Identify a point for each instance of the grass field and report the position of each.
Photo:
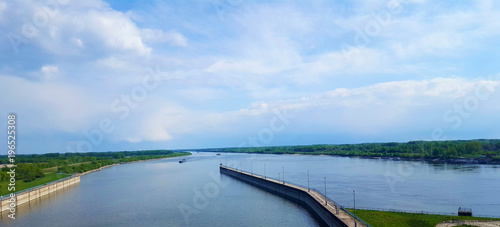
(21, 185)
(395, 219)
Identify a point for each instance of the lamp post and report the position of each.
(326, 201)
(283, 174)
(354, 195)
(308, 181)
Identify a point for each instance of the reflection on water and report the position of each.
(456, 167)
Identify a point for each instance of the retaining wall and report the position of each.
(37, 192)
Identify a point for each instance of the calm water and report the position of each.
(166, 193)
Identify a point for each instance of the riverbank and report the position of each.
(121, 163)
(468, 161)
(481, 151)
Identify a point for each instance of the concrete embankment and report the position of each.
(328, 214)
(37, 192)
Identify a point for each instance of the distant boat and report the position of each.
(182, 161)
(218, 154)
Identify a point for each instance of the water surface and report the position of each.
(166, 193)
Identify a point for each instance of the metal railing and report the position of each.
(416, 211)
(402, 211)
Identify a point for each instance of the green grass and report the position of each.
(396, 219)
(21, 185)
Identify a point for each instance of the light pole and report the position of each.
(354, 195)
(283, 174)
(308, 181)
(326, 201)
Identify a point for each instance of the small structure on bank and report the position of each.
(462, 211)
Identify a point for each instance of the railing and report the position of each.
(402, 211)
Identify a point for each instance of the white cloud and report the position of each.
(173, 38)
(77, 42)
(371, 110)
(116, 30)
(77, 27)
(50, 72)
(3, 6)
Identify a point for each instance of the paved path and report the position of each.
(471, 222)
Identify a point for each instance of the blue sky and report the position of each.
(125, 75)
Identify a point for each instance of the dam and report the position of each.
(325, 210)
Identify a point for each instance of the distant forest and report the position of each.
(30, 167)
(483, 148)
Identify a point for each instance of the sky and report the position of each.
(117, 75)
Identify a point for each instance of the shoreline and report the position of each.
(458, 161)
(123, 163)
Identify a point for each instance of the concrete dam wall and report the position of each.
(328, 215)
(37, 192)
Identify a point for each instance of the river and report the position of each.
(168, 193)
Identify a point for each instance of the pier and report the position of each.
(325, 210)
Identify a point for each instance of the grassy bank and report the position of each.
(396, 219)
(21, 185)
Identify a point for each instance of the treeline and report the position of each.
(70, 158)
(30, 167)
(98, 164)
(25, 172)
(413, 149)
